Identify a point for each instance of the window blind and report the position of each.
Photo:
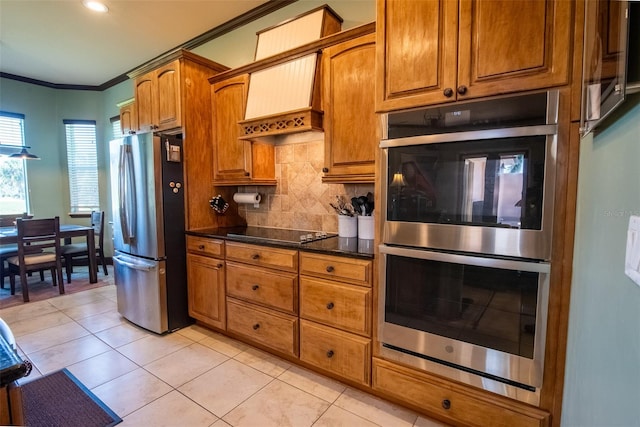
(116, 130)
(11, 131)
(13, 175)
(82, 158)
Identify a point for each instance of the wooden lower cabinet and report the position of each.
(451, 403)
(264, 326)
(262, 256)
(341, 353)
(277, 290)
(205, 281)
(349, 270)
(336, 304)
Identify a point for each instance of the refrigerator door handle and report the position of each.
(127, 193)
(137, 265)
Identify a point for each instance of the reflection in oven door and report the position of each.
(483, 315)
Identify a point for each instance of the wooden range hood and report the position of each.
(284, 95)
(284, 99)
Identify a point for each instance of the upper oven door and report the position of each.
(485, 191)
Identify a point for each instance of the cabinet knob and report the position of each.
(330, 306)
(201, 247)
(220, 265)
(330, 354)
(448, 92)
(462, 89)
(255, 287)
(255, 256)
(247, 174)
(325, 170)
(446, 404)
(330, 268)
(256, 326)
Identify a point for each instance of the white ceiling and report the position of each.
(62, 42)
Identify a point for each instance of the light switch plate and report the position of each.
(632, 259)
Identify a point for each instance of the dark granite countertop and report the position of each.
(334, 245)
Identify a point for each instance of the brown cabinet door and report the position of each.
(508, 46)
(349, 114)
(145, 94)
(168, 96)
(417, 44)
(431, 52)
(205, 280)
(128, 121)
(232, 157)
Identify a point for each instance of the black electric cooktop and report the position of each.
(280, 235)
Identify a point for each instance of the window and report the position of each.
(82, 158)
(116, 129)
(14, 196)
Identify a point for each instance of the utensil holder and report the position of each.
(365, 227)
(347, 226)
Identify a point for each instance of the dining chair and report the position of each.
(8, 251)
(77, 253)
(38, 249)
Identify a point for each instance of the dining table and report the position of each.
(9, 235)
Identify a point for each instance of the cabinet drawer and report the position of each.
(339, 352)
(346, 307)
(205, 246)
(264, 326)
(350, 270)
(281, 259)
(262, 286)
(452, 402)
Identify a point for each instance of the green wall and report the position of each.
(602, 378)
(44, 111)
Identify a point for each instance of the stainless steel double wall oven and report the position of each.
(468, 194)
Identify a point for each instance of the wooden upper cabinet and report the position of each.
(237, 161)
(145, 93)
(416, 52)
(232, 157)
(348, 76)
(158, 99)
(431, 52)
(169, 96)
(128, 121)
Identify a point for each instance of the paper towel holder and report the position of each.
(248, 198)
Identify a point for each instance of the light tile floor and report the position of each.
(193, 377)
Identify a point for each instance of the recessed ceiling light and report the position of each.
(95, 6)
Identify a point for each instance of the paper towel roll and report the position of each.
(247, 198)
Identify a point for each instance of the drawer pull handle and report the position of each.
(330, 268)
(256, 326)
(330, 354)
(255, 287)
(201, 247)
(255, 256)
(446, 404)
(330, 306)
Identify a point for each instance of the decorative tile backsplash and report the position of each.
(300, 201)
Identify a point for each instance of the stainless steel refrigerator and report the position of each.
(147, 198)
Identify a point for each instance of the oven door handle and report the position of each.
(472, 135)
(506, 264)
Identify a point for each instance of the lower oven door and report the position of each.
(477, 315)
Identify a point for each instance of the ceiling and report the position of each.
(60, 42)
